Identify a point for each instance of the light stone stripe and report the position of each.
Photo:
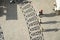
(26, 7)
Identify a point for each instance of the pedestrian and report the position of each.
(40, 12)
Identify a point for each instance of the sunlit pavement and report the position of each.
(16, 29)
(49, 19)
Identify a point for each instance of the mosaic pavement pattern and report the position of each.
(1, 34)
(32, 22)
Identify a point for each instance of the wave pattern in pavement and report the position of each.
(32, 22)
(1, 34)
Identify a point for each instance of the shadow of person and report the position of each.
(50, 15)
(50, 22)
(50, 30)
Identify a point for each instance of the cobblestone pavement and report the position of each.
(1, 34)
(14, 25)
(50, 21)
(32, 22)
(51, 25)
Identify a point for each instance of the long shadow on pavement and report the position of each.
(49, 15)
(50, 22)
(49, 30)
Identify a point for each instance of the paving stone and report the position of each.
(32, 22)
(36, 33)
(32, 19)
(1, 34)
(27, 6)
(31, 14)
(35, 28)
(37, 38)
(28, 10)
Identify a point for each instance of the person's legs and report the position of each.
(40, 21)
